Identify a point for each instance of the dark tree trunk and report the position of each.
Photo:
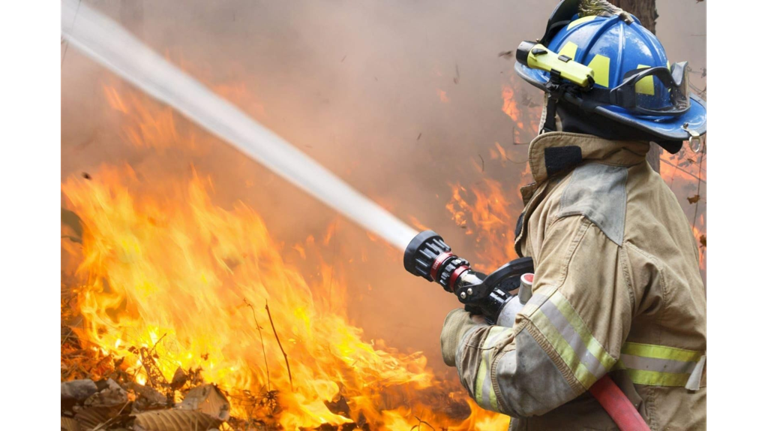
(645, 11)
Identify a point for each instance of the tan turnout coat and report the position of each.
(617, 291)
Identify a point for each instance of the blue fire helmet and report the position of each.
(634, 84)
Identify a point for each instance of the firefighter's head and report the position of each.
(633, 93)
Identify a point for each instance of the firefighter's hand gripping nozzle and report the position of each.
(428, 256)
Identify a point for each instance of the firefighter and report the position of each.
(617, 288)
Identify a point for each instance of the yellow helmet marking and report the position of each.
(569, 50)
(581, 20)
(602, 67)
(645, 85)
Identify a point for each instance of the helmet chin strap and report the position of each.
(548, 122)
(556, 88)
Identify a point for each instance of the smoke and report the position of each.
(397, 98)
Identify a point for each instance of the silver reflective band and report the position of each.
(574, 340)
(658, 365)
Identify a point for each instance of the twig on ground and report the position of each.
(285, 355)
(71, 331)
(261, 337)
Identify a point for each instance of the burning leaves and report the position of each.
(123, 406)
(159, 294)
(208, 399)
(174, 420)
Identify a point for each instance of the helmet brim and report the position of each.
(666, 128)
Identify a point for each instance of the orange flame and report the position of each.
(686, 173)
(510, 105)
(489, 217)
(180, 268)
(162, 266)
(148, 125)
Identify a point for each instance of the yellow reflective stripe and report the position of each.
(601, 65)
(581, 21)
(569, 50)
(491, 338)
(572, 340)
(591, 342)
(565, 351)
(655, 378)
(494, 402)
(645, 85)
(650, 356)
(660, 352)
(483, 377)
(496, 334)
(482, 374)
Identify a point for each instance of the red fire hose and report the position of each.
(618, 406)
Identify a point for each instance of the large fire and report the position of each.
(167, 282)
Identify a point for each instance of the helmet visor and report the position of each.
(654, 91)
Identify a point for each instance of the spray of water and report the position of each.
(108, 43)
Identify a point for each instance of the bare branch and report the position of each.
(285, 355)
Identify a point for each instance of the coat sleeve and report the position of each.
(565, 338)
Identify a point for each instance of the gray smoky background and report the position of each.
(399, 98)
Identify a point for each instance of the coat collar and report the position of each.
(553, 152)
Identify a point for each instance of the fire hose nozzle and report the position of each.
(429, 257)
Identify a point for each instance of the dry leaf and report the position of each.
(694, 199)
(111, 395)
(103, 405)
(119, 422)
(147, 398)
(75, 392)
(91, 417)
(69, 424)
(207, 399)
(78, 389)
(179, 379)
(175, 420)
